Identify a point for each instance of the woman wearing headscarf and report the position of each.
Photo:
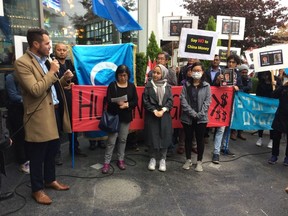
(195, 100)
(158, 102)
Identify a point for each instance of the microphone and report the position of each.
(52, 56)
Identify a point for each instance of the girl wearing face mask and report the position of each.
(195, 100)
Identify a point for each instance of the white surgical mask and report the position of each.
(196, 75)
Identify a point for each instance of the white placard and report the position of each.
(21, 45)
(198, 44)
(270, 58)
(233, 25)
(1, 8)
(249, 57)
(222, 52)
(172, 26)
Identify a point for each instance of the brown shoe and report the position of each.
(57, 186)
(233, 136)
(41, 197)
(240, 136)
(286, 189)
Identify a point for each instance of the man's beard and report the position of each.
(60, 58)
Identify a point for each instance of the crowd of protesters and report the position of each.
(46, 100)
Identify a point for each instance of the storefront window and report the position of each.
(18, 17)
(57, 22)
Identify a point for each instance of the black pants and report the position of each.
(276, 135)
(42, 162)
(260, 133)
(15, 119)
(199, 130)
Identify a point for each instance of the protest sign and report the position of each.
(233, 26)
(252, 112)
(88, 103)
(198, 44)
(222, 52)
(270, 58)
(173, 25)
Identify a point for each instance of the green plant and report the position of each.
(152, 49)
(141, 65)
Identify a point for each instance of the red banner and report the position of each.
(88, 103)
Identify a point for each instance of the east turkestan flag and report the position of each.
(112, 10)
(96, 64)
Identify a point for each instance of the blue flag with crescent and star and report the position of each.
(96, 64)
(112, 10)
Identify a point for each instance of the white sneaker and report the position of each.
(270, 144)
(25, 167)
(187, 164)
(152, 164)
(259, 142)
(199, 167)
(162, 165)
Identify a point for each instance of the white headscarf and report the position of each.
(160, 84)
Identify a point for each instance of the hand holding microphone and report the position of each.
(54, 65)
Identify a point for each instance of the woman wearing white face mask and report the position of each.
(195, 100)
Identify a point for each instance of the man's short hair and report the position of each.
(35, 34)
(167, 56)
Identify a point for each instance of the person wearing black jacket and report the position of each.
(61, 53)
(280, 123)
(5, 143)
(265, 89)
(120, 87)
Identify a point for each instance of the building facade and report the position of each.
(67, 21)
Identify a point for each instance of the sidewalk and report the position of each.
(243, 185)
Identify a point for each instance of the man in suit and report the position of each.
(40, 110)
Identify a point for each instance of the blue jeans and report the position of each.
(218, 139)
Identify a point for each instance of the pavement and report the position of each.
(242, 185)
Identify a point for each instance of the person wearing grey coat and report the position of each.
(195, 100)
(158, 102)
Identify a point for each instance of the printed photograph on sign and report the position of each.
(230, 26)
(233, 26)
(228, 77)
(177, 25)
(198, 44)
(271, 58)
(173, 25)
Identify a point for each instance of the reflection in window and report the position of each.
(100, 32)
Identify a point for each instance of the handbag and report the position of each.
(109, 123)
